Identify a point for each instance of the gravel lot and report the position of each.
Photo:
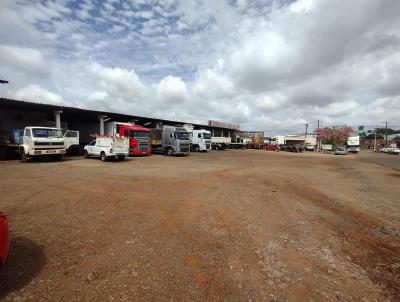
(229, 225)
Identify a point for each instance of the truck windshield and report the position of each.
(141, 134)
(133, 134)
(207, 135)
(43, 132)
(182, 135)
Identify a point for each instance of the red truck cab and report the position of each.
(4, 240)
(139, 140)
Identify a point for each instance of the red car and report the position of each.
(4, 245)
(274, 148)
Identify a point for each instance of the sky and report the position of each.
(266, 65)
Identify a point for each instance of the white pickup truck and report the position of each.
(108, 147)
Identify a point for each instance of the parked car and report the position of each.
(273, 148)
(310, 147)
(108, 147)
(395, 151)
(295, 148)
(4, 240)
(384, 150)
(284, 147)
(341, 151)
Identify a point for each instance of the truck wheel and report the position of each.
(121, 157)
(24, 157)
(103, 156)
(196, 148)
(170, 152)
(86, 154)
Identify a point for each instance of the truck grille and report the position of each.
(49, 143)
(143, 146)
(208, 146)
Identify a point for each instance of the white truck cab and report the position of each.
(353, 144)
(201, 140)
(42, 141)
(71, 139)
(108, 147)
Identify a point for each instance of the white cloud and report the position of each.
(98, 96)
(38, 94)
(265, 64)
(172, 90)
(118, 81)
(23, 59)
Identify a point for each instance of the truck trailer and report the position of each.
(220, 143)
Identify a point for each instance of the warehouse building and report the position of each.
(15, 114)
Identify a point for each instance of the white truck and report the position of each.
(200, 140)
(42, 141)
(353, 144)
(108, 147)
(71, 141)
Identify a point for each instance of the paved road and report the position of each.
(387, 160)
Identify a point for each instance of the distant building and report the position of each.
(301, 139)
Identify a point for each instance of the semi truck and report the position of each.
(170, 140)
(42, 141)
(200, 140)
(353, 144)
(139, 140)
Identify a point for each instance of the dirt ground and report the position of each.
(236, 225)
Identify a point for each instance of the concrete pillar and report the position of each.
(57, 116)
(101, 120)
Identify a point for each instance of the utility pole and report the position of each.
(386, 129)
(305, 136)
(318, 136)
(375, 141)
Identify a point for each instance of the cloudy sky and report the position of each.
(268, 65)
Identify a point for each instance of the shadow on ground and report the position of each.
(25, 261)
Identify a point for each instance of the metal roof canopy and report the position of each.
(78, 115)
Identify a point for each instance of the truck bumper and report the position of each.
(37, 152)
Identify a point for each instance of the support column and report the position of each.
(101, 120)
(57, 116)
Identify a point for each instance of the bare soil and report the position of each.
(223, 226)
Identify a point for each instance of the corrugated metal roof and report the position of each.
(12, 103)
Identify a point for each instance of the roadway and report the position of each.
(383, 159)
